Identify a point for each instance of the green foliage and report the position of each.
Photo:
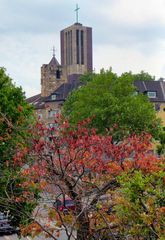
(161, 146)
(140, 205)
(15, 119)
(143, 76)
(15, 116)
(87, 77)
(112, 103)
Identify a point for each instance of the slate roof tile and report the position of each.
(152, 86)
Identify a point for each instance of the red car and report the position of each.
(64, 204)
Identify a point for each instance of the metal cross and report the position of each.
(53, 51)
(76, 10)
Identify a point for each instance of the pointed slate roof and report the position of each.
(54, 62)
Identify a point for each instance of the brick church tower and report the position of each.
(76, 50)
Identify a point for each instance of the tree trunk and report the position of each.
(83, 231)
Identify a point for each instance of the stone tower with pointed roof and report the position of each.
(52, 77)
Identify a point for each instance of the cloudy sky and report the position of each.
(127, 35)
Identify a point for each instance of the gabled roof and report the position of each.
(37, 101)
(152, 86)
(34, 98)
(62, 92)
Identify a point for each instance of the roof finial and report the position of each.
(53, 51)
(76, 10)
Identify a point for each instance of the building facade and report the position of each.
(155, 90)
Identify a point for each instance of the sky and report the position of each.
(128, 35)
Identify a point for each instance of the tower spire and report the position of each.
(76, 10)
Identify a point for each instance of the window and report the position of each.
(77, 46)
(52, 125)
(58, 74)
(151, 94)
(66, 47)
(82, 47)
(52, 113)
(53, 97)
(39, 115)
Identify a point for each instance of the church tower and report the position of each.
(76, 59)
(76, 49)
(51, 76)
(59, 80)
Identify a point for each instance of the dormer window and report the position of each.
(151, 94)
(53, 97)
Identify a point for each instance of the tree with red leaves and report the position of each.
(90, 170)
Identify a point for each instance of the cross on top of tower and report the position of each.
(53, 51)
(76, 10)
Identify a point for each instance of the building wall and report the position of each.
(161, 113)
(48, 114)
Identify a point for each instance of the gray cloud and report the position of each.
(125, 36)
(33, 16)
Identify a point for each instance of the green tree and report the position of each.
(144, 76)
(15, 119)
(15, 116)
(140, 204)
(113, 104)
